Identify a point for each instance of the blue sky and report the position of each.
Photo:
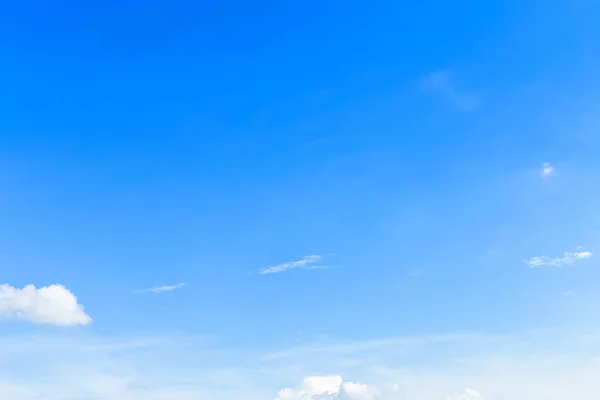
(256, 194)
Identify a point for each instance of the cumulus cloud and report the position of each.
(568, 259)
(52, 304)
(160, 289)
(441, 82)
(308, 262)
(322, 386)
(547, 170)
(467, 394)
(333, 387)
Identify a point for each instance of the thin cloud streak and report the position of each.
(372, 345)
(306, 263)
(160, 289)
(441, 82)
(568, 259)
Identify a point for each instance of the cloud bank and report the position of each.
(52, 304)
(84, 366)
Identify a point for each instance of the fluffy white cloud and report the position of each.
(313, 387)
(567, 259)
(333, 387)
(52, 304)
(307, 262)
(468, 394)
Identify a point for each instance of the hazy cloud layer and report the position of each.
(81, 366)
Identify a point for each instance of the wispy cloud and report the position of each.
(441, 82)
(415, 273)
(568, 259)
(308, 262)
(547, 170)
(160, 289)
(386, 345)
(54, 305)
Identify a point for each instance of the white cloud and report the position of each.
(441, 82)
(329, 384)
(52, 304)
(159, 289)
(313, 386)
(467, 394)
(333, 387)
(307, 263)
(568, 259)
(547, 170)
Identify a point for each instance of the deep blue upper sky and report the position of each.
(152, 143)
(244, 194)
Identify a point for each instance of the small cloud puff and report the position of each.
(52, 304)
(547, 170)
